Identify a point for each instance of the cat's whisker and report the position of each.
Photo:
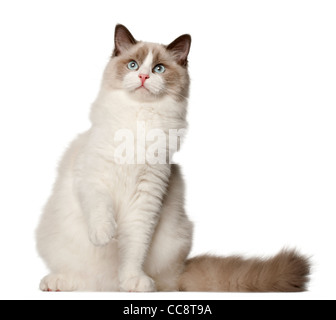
(173, 93)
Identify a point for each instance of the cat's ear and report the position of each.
(123, 40)
(180, 48)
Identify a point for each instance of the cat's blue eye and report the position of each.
(160, 68)
(133, 65)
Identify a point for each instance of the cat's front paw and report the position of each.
(101, 233)
(140, 283)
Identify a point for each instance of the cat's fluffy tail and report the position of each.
(286, 272)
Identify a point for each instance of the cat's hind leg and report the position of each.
(172, 240)
(62, 282)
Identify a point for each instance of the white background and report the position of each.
(260, 157)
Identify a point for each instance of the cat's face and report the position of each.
(149, 71)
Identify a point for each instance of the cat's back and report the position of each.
(61, 214)
(62, 198)
(70, 156)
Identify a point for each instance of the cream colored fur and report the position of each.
(116, 227)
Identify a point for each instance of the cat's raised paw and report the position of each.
(141, 283)
(102, 233)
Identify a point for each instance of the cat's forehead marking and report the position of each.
(147, 64)
(158, 52)
(141, 53)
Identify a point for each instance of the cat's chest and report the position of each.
(145, 118)
(145, 113)
(126, 181)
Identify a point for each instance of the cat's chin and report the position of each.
(143, 94)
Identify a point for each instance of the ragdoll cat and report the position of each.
(111, 226)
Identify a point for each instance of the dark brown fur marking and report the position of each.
(286, 272)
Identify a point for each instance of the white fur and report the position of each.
(146, 67)
(111, 227)
(154, 84)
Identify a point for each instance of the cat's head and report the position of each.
(148, 71)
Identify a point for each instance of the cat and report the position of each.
(112, 226)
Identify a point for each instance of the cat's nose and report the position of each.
(143, 78)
